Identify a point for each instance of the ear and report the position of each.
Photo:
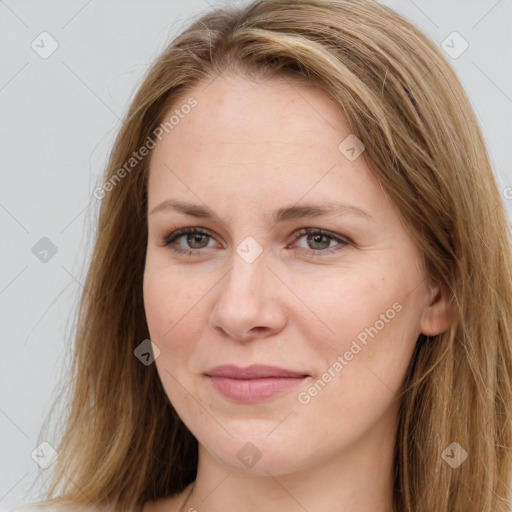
(439, 312)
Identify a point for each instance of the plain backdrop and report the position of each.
(59, 114)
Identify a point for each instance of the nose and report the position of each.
(250, 302)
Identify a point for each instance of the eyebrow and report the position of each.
(281, 215)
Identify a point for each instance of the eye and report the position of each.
(197, 238)
(317, 239)
(320, 241)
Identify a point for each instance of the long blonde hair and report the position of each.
(123, 444)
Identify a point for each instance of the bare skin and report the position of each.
(249, 148)
(169, 504)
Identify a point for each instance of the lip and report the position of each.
(254, 371)
(253, 383)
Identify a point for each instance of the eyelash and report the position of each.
(175, 235)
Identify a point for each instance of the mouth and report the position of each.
(254, 383)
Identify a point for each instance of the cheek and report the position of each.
(356, 305)
(374, 322)
(359, 384)
(173, 309)
(174, 316)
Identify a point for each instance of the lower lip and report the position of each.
(254, 390)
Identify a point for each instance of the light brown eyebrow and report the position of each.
(280, 215)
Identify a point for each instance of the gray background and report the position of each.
(59, 116)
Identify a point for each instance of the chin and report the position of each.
(257, 455)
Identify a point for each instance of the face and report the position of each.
(338, 299)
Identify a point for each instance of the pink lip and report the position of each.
(253, 383)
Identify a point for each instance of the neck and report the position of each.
(354, 479)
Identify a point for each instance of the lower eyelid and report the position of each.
(171, 239)
(339, 241)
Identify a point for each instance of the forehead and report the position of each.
(235, 109)
(260, 140)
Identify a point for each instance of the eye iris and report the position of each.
(317, 239)
(195, 237)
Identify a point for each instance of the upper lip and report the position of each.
(254, 371)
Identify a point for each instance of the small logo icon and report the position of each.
(44, 45)
(454, 45)
(44, 250)
(146, 352)
(454, 455)
(249, 249)
(249, 455)
(351, 147)
(44, 455)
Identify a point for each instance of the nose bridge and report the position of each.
(247, 275)
(248, 266)
(246, 299)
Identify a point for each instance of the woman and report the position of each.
(300, 294)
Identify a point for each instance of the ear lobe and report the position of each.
(439, 313)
